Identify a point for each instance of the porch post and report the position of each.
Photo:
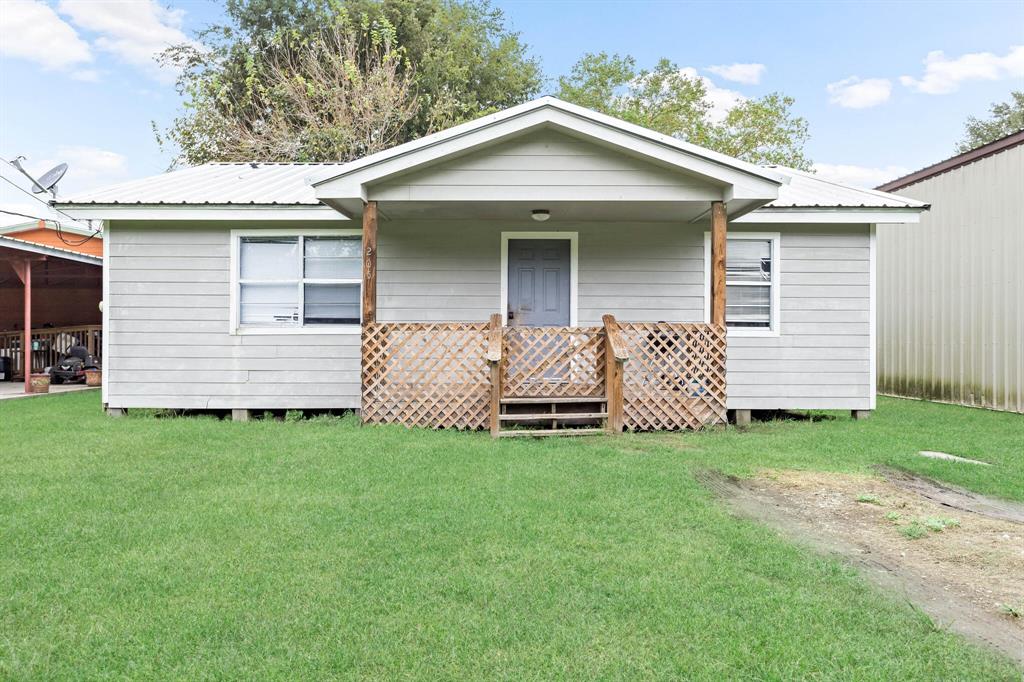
(718, 237)
(26, 343)
(370, 262)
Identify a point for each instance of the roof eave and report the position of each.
(182, 211)
(835, 214)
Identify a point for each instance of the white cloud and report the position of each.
(943, 75)
(32, 30)
(855, 93)
(86, 75)
(749, 74)
(859, 176)
(136, 32)
(721, 99)
(88, 167)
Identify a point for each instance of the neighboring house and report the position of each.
(51, 286)
(951, 313)
(372, 284)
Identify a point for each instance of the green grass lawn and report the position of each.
(194, 548)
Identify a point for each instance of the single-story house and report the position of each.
(542, 261)
(951, 325)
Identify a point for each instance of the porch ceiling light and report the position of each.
(540, 214)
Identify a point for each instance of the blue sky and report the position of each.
(80, 85)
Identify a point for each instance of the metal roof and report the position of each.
(290, 184)
(43, 249)
(952, 163)
(250, 184)
(806, 190)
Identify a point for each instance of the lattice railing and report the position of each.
(428, 375)
(675, 376)
(555, 362)
(437, 375)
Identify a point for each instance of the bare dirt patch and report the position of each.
(957, 563)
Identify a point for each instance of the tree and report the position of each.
(456, 57)
(1006, 118)
(334, 96)
(667, 99)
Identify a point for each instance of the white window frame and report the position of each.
(775, 329)
(237, 329)
(574, 251)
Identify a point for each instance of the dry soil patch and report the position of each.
(965, 576)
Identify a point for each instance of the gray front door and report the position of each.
(538, 282)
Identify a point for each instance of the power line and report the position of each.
(57, 223)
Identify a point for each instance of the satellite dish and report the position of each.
(48, 180)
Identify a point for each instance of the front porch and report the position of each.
(634, 376)
(518, 379)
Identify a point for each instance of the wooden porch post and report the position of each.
(718, 240)
(24, 272)
(370, 262)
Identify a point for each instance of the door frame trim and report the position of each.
(572, 238)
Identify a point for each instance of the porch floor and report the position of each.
(10, 390)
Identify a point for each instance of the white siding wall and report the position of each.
(168, 343)
(951, 304)
(167, 340)
(822, 358)
(429, 271)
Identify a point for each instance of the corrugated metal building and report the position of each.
(951, 288)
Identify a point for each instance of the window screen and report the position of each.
(299, 281)
(748, 283)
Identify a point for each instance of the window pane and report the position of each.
(748, 260)
(748, 306)
(334, 257)
(272, 305)
(273, 258)
(332, 303)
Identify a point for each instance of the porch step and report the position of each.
(540, 433)
(548, 416)
(548, 401)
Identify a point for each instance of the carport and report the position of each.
(49, 299)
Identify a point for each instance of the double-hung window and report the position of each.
(751, 282)
(297, 281)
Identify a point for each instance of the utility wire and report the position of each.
(57, 223)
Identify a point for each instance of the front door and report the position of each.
(538, 282)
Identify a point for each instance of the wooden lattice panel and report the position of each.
(554, 362)
(428, 375)
(675, 376)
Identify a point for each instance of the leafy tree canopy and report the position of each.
(420, 65)
(1006, 118)
(666, 99)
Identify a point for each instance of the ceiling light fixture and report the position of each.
(540, 214)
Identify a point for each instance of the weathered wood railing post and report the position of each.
(370, 262)
(494, 359)
(718, 242)
(615, 357)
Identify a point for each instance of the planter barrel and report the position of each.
(93, 377)
(39, 383)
